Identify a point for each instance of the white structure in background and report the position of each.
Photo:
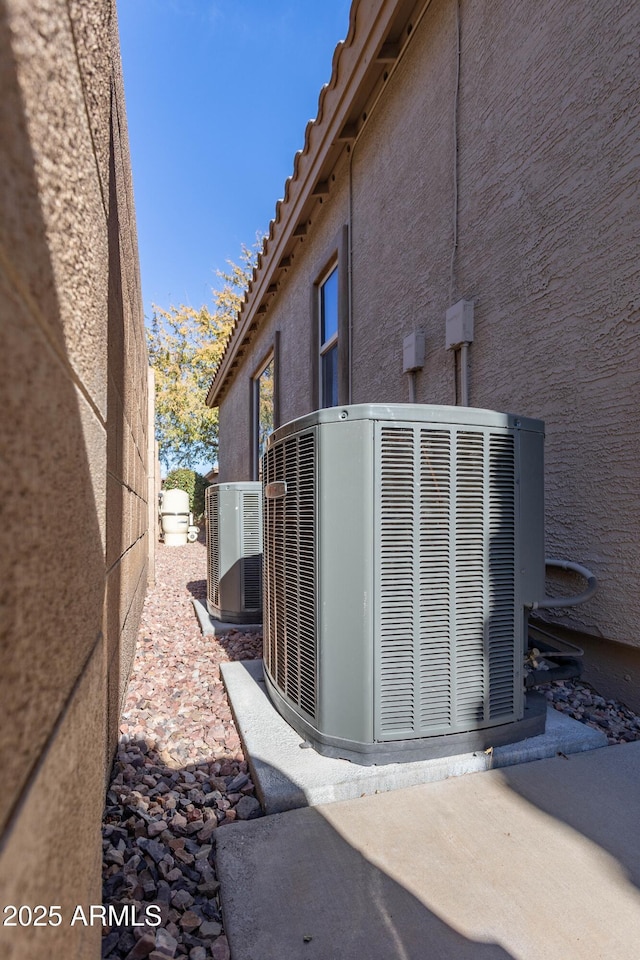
(175, 517)
(192, 534)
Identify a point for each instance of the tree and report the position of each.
(185, 347)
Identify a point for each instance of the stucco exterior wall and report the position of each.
(547, 163)
(548, 222)
(402, 219)
(73, 483)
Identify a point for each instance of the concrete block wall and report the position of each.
(74, 440)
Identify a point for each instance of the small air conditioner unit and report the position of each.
(402, 546)
(234, 551)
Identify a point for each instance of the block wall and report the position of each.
(74, 439)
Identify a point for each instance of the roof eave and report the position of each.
(374, 39)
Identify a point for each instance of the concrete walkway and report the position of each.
(536, 862)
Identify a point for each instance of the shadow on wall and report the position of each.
(52, 560)
(116, 544)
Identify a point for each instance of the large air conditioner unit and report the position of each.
(234, 551)
(402, 546)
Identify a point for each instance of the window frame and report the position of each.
(336, 258)
(270, 356)
(326, 346)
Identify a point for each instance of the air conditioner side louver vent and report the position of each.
(290, 648)
(469, 578)
(436, 562)
(213, 542)
(397, 582)
(446, 579)
(251, 551)
(502, 575)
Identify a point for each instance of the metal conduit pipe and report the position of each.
(569, 667)
(557, 649)
(412, 386)
(550, 603)
(464, 374)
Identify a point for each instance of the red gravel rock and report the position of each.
(220, 949)
(179, 755)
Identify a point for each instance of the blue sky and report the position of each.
(218, 94)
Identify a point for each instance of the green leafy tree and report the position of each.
(185, 347)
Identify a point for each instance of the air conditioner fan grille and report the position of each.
(289, 571)
(213, 544)
(446, 581)
(251, 551)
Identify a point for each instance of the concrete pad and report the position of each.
(212, 627)
(289, 774)
(539, 861)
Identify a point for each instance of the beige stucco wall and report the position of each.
(73, 483)
(548, 165)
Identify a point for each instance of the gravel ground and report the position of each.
(583, 702)
(180, 774)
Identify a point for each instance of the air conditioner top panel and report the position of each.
(241, 486)
(409, 412)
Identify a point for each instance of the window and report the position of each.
(328, 315)
(263, 408)
(330, 329)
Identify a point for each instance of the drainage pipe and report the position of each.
(568, 670)
(412, 386)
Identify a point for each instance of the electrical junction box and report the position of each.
(459, 324)
(413, 352)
